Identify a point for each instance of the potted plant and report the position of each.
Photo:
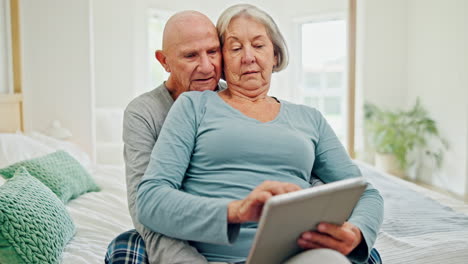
(394, 135)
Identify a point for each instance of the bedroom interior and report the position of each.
(81, 62)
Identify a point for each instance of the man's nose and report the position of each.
(205, 64)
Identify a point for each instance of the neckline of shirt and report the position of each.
(239, 113)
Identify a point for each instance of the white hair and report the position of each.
(279, 44)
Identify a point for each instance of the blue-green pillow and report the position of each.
(60, 172)
(34, 224)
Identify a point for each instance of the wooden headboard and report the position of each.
(11, 116)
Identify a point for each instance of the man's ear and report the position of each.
(161, 57)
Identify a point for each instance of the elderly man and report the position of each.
(191, 54)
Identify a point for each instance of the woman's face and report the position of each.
(248, 54)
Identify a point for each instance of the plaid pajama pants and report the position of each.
(129, 248)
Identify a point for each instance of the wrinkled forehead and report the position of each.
(246, 26)
(196, 40)
(243, 24)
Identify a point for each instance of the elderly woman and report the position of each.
(221, 156)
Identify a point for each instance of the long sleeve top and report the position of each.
(209, 154)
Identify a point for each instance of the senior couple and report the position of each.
(196, 185)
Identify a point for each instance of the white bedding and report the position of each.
(455, 204)
(98, 216)
(420, 226)
(101, 216)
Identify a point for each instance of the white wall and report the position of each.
(57, 66)
(381, 60)
(113, 28)
(114, 34)
(382, 51)
(437, 73)
(410, 49)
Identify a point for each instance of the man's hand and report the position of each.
(344, 238)
(250, 208)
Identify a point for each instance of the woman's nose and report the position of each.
(248, 56)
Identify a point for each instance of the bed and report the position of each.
(420, 226)
(97, 216)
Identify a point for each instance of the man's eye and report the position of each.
(212, 51)
(189, 55)
(259, 46)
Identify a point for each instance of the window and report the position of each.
(334, 80)
(332, 106)
(312, 80)
(323, 70)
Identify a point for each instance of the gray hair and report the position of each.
(279, 44)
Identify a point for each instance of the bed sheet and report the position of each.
(98, 216)
(420, 226)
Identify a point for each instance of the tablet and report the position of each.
(285, 217)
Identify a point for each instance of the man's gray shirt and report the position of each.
(143, 119)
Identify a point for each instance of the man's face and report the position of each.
(194, 59)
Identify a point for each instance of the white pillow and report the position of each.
(56, 144)
(18, 147)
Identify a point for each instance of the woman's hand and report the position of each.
(250, 208)
(344, 238)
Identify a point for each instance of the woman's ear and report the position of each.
(162, 58)
(275, 62)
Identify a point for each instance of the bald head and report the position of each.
(190, 53)
(182, 23)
